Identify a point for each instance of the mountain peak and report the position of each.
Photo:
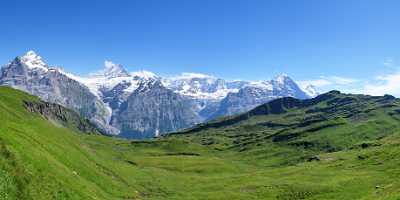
(110, 65)
(282, 78)
(144, 74)
(32, 60)
(30, 53)
(112, 70)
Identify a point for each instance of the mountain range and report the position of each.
(142, 104)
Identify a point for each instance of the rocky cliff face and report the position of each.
(242, 101)
(214, 97)
(141, 105)
(31, 74)
(61, 116)
(205, 92)
(152, 110)
(253, 94)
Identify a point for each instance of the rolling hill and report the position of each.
(334, 146)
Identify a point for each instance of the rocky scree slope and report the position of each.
(60, 115)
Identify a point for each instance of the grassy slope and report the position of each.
(39, 160)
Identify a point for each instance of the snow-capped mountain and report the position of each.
(31, 74)
(310, 90)
(33, 61)
(199, 86)
(142, 104)
(253, 94)
(111, 70)
(216, 97)
(111, 76)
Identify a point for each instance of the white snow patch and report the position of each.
(281, 78)
(186, 75)
(144, 74)
(261, 84)
(34, 61)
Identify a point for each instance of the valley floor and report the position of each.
(95, 167)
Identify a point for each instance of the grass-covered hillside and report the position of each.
(287, 128)
(335, 146)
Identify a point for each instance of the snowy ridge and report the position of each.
(207, 87)
(33, 61)
(260, 84)
(111, 70)
(111, 76)
(144, 74)
(192, 85)
(199, 86)
(186, 75)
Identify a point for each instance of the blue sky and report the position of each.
(343, 44)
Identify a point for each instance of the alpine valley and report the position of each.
(142, 104)
(334, 146)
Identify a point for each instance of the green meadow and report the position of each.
(336, 146)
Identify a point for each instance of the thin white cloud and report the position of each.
(387, 83)
(341, 80)
(388, 62)
(187, 75)
(327, 83)
(384, 84)
(315, 82)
